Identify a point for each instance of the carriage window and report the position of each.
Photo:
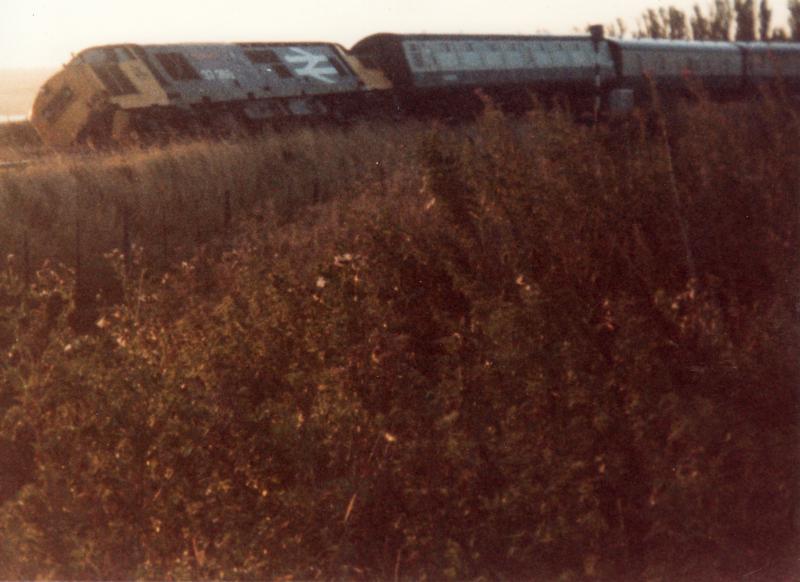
(177, 66)
(533, 59)
(416, 56)
(469, 56)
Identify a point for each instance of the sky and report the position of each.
(44, 33)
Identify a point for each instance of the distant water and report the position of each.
(12, 118)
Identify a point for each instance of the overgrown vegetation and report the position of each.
(519, 349)
(18, 141)
(717, 20)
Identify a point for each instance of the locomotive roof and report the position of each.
(178, 45)
(105, 46)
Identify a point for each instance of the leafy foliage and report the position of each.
(486, 359)
(722, 20)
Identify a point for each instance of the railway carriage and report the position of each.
(435, 72)
(128, 92)
(772, 63)
(672, 66)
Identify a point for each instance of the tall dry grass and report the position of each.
(520, 348)
(170, 201)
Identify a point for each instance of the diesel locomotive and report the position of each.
(128, 92)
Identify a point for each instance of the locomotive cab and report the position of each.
(65, 104)
(130, 93)
(87, 100)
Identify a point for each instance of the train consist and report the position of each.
(127, 93)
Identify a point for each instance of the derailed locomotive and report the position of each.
(121, 92)
(127, 92)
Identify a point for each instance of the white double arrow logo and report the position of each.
(315, 66)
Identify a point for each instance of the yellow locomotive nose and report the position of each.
(63, 107)
(89, 99)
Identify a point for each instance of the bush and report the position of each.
(525, 349)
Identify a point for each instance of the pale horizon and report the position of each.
(42, 34)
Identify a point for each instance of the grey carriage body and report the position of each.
(437, 61)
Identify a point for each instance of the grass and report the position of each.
(518, 348)
(170, 201)
(18, 141)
